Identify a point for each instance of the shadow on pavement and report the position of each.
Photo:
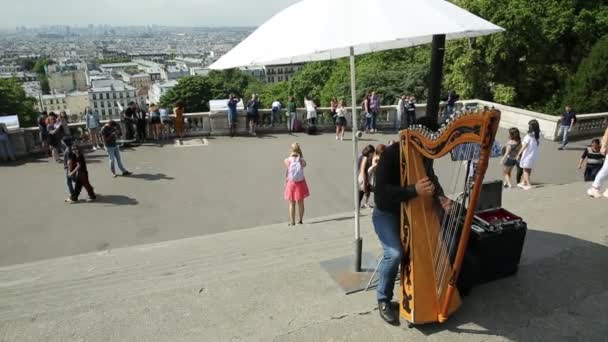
(545, 300)
(114, 200)
(150, 177)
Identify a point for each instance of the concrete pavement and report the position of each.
(265, 284)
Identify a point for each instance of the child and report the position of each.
(78, 171)
(595, 160)
(372, 169)
(509, 159)
(296, 189)
(528, 154)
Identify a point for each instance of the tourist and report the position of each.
(253, 106)
(232, 104)
(509, 159)
(340, 120)
(411, 111)
(365, 107)
(155, 123)
(567, 122)
(178, 111)
(451, 102)
(595, 160)
(374, 106)
(602, 175)
(374, 164)
(78, 171)
(129, 118)
(110, 133)
(54, 137)
(311, 111)
(292, 114)
(141, 124)
(165, 128)
(93, 125)
(7, 151)
(275, 115)
(333, 107)
(43, 133)
(64, 122)
(67, 142)
(363, 163)
(528, 154)
(401, 113)
(296, 189)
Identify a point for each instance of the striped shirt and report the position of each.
(593, 158)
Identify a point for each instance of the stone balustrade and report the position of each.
(27, 141)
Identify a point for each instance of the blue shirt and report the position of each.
(567, 118)
(232, 106)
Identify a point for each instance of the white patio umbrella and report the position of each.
(317, 30)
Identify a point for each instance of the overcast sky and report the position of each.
(138, 12)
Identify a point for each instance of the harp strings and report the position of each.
(446, 243)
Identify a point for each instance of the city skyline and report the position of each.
(178, 13)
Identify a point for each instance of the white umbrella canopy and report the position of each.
(315, 30)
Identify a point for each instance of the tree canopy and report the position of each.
(14, 100)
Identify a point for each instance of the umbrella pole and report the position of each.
(358, 241)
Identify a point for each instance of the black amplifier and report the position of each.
(496, 241)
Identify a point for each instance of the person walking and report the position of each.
(155, 123)
(54, 137)
(333, 107)
(67, 142)
(340, 119)
(296, 188)
(567, 122)
(64, 122)
(602, 175)
(78, 171)
(528, 155)
(374, 165)
(232, 104)
(365, 106)
(292, 114)
(594, 159)
(7, 150)
(93, 125)
(110, 133)
(253, 107)
(509, 159)
(178, 111)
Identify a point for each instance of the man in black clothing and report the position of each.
(388, 195)
(130, 118)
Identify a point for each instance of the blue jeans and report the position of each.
(386, 226)
(563, 130)
(274, 117)
(368, 123)
(411, 118)
(114, 154)
(374, 119)
(69, 183)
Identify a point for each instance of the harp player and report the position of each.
(388, 195)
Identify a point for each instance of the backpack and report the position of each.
(295, 171)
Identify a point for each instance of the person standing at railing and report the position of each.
(93, 125)
(165, 127)
(602, 175)
(367, 113)
(401, 111)
(155, 124)
(340, 120)
(311, 111)
(411, 110)
(129, 117)
(141, 124)
(292, 114)
(232, 104)
(567, 122)
(178, 111)
(253, 107)
(43, 132)
(451, 102)
(7, 151)
(275, 112)
(374, 106)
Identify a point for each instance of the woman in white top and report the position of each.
(340, 120)
(529, 153)
(311, 111)
(602, 175)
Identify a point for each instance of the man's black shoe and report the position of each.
(387, 313)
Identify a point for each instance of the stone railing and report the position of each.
(27, 140)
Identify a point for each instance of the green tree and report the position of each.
(588, 87)
(40, 68)
(14, 100)
(193, 91)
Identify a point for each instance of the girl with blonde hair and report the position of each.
(296, 189)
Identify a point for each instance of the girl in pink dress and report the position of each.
(296, 189)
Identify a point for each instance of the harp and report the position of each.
(435, 240)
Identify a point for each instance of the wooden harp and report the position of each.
(434, 247)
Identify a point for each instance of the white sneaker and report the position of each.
(94, 148)
(337, 137)
(593, 192)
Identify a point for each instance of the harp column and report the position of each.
(358, 243)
